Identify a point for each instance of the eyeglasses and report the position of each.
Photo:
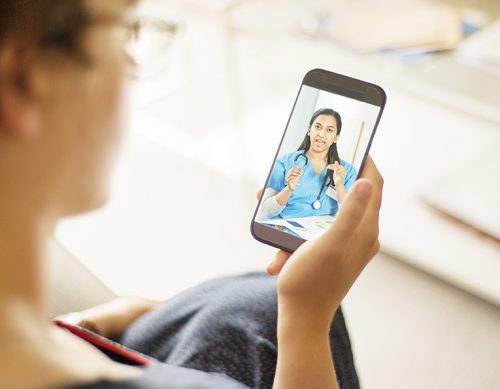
(147, 41)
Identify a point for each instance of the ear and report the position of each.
(18, 112)
(336, 138)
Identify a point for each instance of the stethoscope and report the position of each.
(317, 203)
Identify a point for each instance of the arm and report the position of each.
(112, 318)
(341, 193)
(283, 196)
(313, 281)
(273, 203)
(348, 177)
(339, 174)
(304, 353)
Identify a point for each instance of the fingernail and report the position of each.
(364, 190)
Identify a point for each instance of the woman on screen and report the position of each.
(313, 180)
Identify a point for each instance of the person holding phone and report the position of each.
(313, 180)
(62, 72)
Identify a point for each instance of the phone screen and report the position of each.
(320, 156)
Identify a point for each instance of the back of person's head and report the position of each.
(62, 69)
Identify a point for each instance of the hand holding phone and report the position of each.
(373, 175)
(317, 276)
(329, 133)
(314, 279)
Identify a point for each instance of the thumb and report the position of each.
(352, 211)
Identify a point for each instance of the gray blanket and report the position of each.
(228, 326)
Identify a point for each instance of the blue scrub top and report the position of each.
(304, 195)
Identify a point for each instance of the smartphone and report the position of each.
(321, 154)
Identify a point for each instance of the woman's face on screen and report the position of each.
(323, 133)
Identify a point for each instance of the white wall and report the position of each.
(299, 122)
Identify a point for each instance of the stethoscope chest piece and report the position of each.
(317, 203)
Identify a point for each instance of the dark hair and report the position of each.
(333, 154)
(45, 24)
(52, 24)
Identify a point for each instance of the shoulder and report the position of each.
(289, 157)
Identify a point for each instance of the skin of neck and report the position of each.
(322, 156)
(23, 248)
(26, 224)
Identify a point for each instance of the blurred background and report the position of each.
(215, 84)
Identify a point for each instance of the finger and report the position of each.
(259, 194)
(352, 212)
(369, 227)
(371, 172)
(278, 262)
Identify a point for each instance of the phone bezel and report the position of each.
(335, 83)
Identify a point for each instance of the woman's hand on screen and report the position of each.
(293, 177)
(339, 173)
(319, 273)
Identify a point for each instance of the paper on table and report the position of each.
(482, 49)
(470, 195)
(314, 225)
(372, 26)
